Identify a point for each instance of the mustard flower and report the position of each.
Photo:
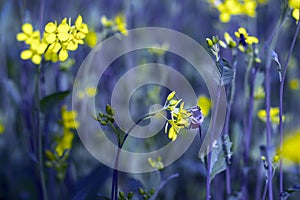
(121, 24)
(294, 4)
(69, 122)
(227, 8)
(205, 104)
(274, 115)
(28, 35)
(290, 147)
(106, 23)
(294, 84)
(35, 51)
(91, 38)
(244, 38)
(229, 42)
(181, 118)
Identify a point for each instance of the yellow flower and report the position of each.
(69, 122)
(259, 93)
(274, 115)
(205, 104)
(69, 118)
(65, 143)
(295, 14)
(244, 37)
(294, 4)
(120, 22)
(35, 52)
(294, 84)
(290, 147)
(1, 128)
(158, 50)
(91, 91)
(106, 23)
(28, 35)
(91, 39)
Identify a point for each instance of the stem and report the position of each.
(268, 127)
(114, 189)
(227, 119)
(208, 153)
(281, 104)
(40, 136)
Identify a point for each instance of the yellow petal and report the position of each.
(296, 14)
(171, 96)
(72, 45)
(78, 21)
(55, 47)
(171, 133)
(63, 36)
(251, 40)
(26, 54)
(51, 38)
(1, 128)
(27, 28)
(205, 104)
(36, 59)
(50, 27)
(63, 27)
(63, 55)
(91, 39)
(242, 30)
(41, 48)
(21, 37)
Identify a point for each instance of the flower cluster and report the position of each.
(295, 5)
(57, 40)
(243, 41)
(181, 118)
(116, 24)
(228, 8)
(88, 92)
(69, 122)
(274, 115)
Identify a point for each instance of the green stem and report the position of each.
(39, 132)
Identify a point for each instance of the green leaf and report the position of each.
(289, 192)
(220, 156)
(52, 100)
(225, 71)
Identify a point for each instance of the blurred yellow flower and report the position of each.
(205, 104)
(274, 115)
(159, 50)
(91, 91)
(69, 122)
(290, 147)
(259, 93)
(156, 164)
(91, 39)
(227, 8)
(1, 128)
(294, 4)
(121, 24)
(105, 22)
(294, 84)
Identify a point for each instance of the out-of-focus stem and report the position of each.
(39, 133)
(228, 113)
(284, 69)
(211, 136)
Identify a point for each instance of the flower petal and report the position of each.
(27, 28)
(50, 27)
(21, 37)
(36, 59)
(63, 55)
(26, 54)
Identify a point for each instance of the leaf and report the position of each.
(225, 71)
(50, 101)
(220, 156)
(285, 195)
(276, 60)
